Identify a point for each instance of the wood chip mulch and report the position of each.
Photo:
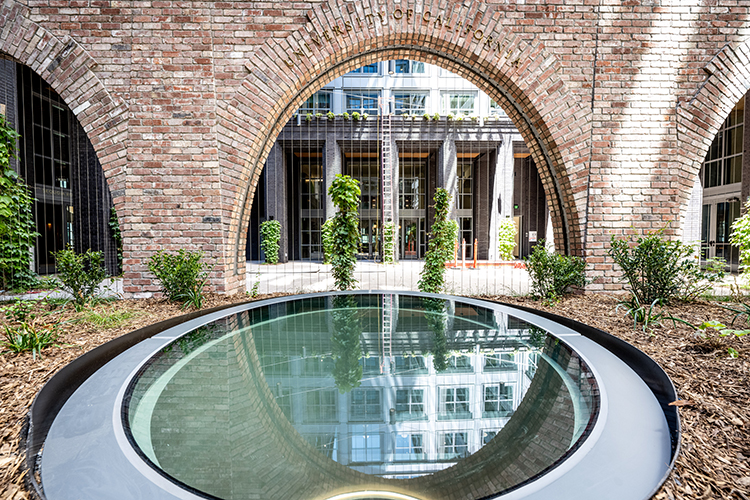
(714, 388)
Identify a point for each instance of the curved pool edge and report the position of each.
(652, 374)
(48, 402)
(57, 390)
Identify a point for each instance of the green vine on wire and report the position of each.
(344, 193)
(440, 246)
(389, 233)
(270, 234)
(17, 228)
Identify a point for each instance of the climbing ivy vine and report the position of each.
(344, 193)
(17, 229)
(440, 247)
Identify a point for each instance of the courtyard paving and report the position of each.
(303, 277)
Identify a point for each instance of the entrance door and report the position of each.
(411, 239)
(716, 226)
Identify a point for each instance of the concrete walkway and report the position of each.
(301, 277)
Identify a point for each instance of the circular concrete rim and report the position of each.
(574, 334)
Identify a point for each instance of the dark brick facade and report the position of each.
(618, 101)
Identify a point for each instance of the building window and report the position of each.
(460, 364)
(453, 445)
(409, 447)
(459, 103)
(407, 67)
(723, 164)
(366, 446)
(410, 404)
(320, 102)
(488, 435)
(410, 103)
(321, 406)
(500, 361)
(412, 365)
(454, 403)
(370, 365)
(365, 405)
(496, 110)
(362, 101)
(275, 364)
(370, 69)
(498, 400)
(284, 400)
(411, 192)
(311, 190)
(326, 444)
(318, 366)
(465, 185)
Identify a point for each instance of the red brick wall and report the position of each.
(617, 100)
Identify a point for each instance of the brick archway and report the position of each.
(522, 77)
(67, 67)
(699, 116)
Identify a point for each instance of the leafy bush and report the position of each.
(344, 192)
(552, 274)
(356, 116)
(270, 234)
(330, 115)
(80, 274)
(17, 229)
(663, 270)
(507, 238)
(440, 246)
(182, 276)
(389, 231)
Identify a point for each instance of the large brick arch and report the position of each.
(522, 77)
(67, 67)
(700, 115)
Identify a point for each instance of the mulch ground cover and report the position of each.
(713, 387)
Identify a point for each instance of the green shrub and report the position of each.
(182, 276)
(440, 246)
(507, 238)
(270, 234)
(80, 274)
(344, 192)
(552, 274)
(662, 270)
(17, 228)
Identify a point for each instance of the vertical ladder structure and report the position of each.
(387, 333)
(386, 153)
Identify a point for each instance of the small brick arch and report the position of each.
(523, 77)
(67, 67)
(700, 116)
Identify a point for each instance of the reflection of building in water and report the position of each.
(405, 419)
(251, 408)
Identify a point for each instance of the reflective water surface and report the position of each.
(408, 396)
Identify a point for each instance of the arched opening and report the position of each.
(402, 128)
(722, 186)
(522, 108)
(73, 206)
